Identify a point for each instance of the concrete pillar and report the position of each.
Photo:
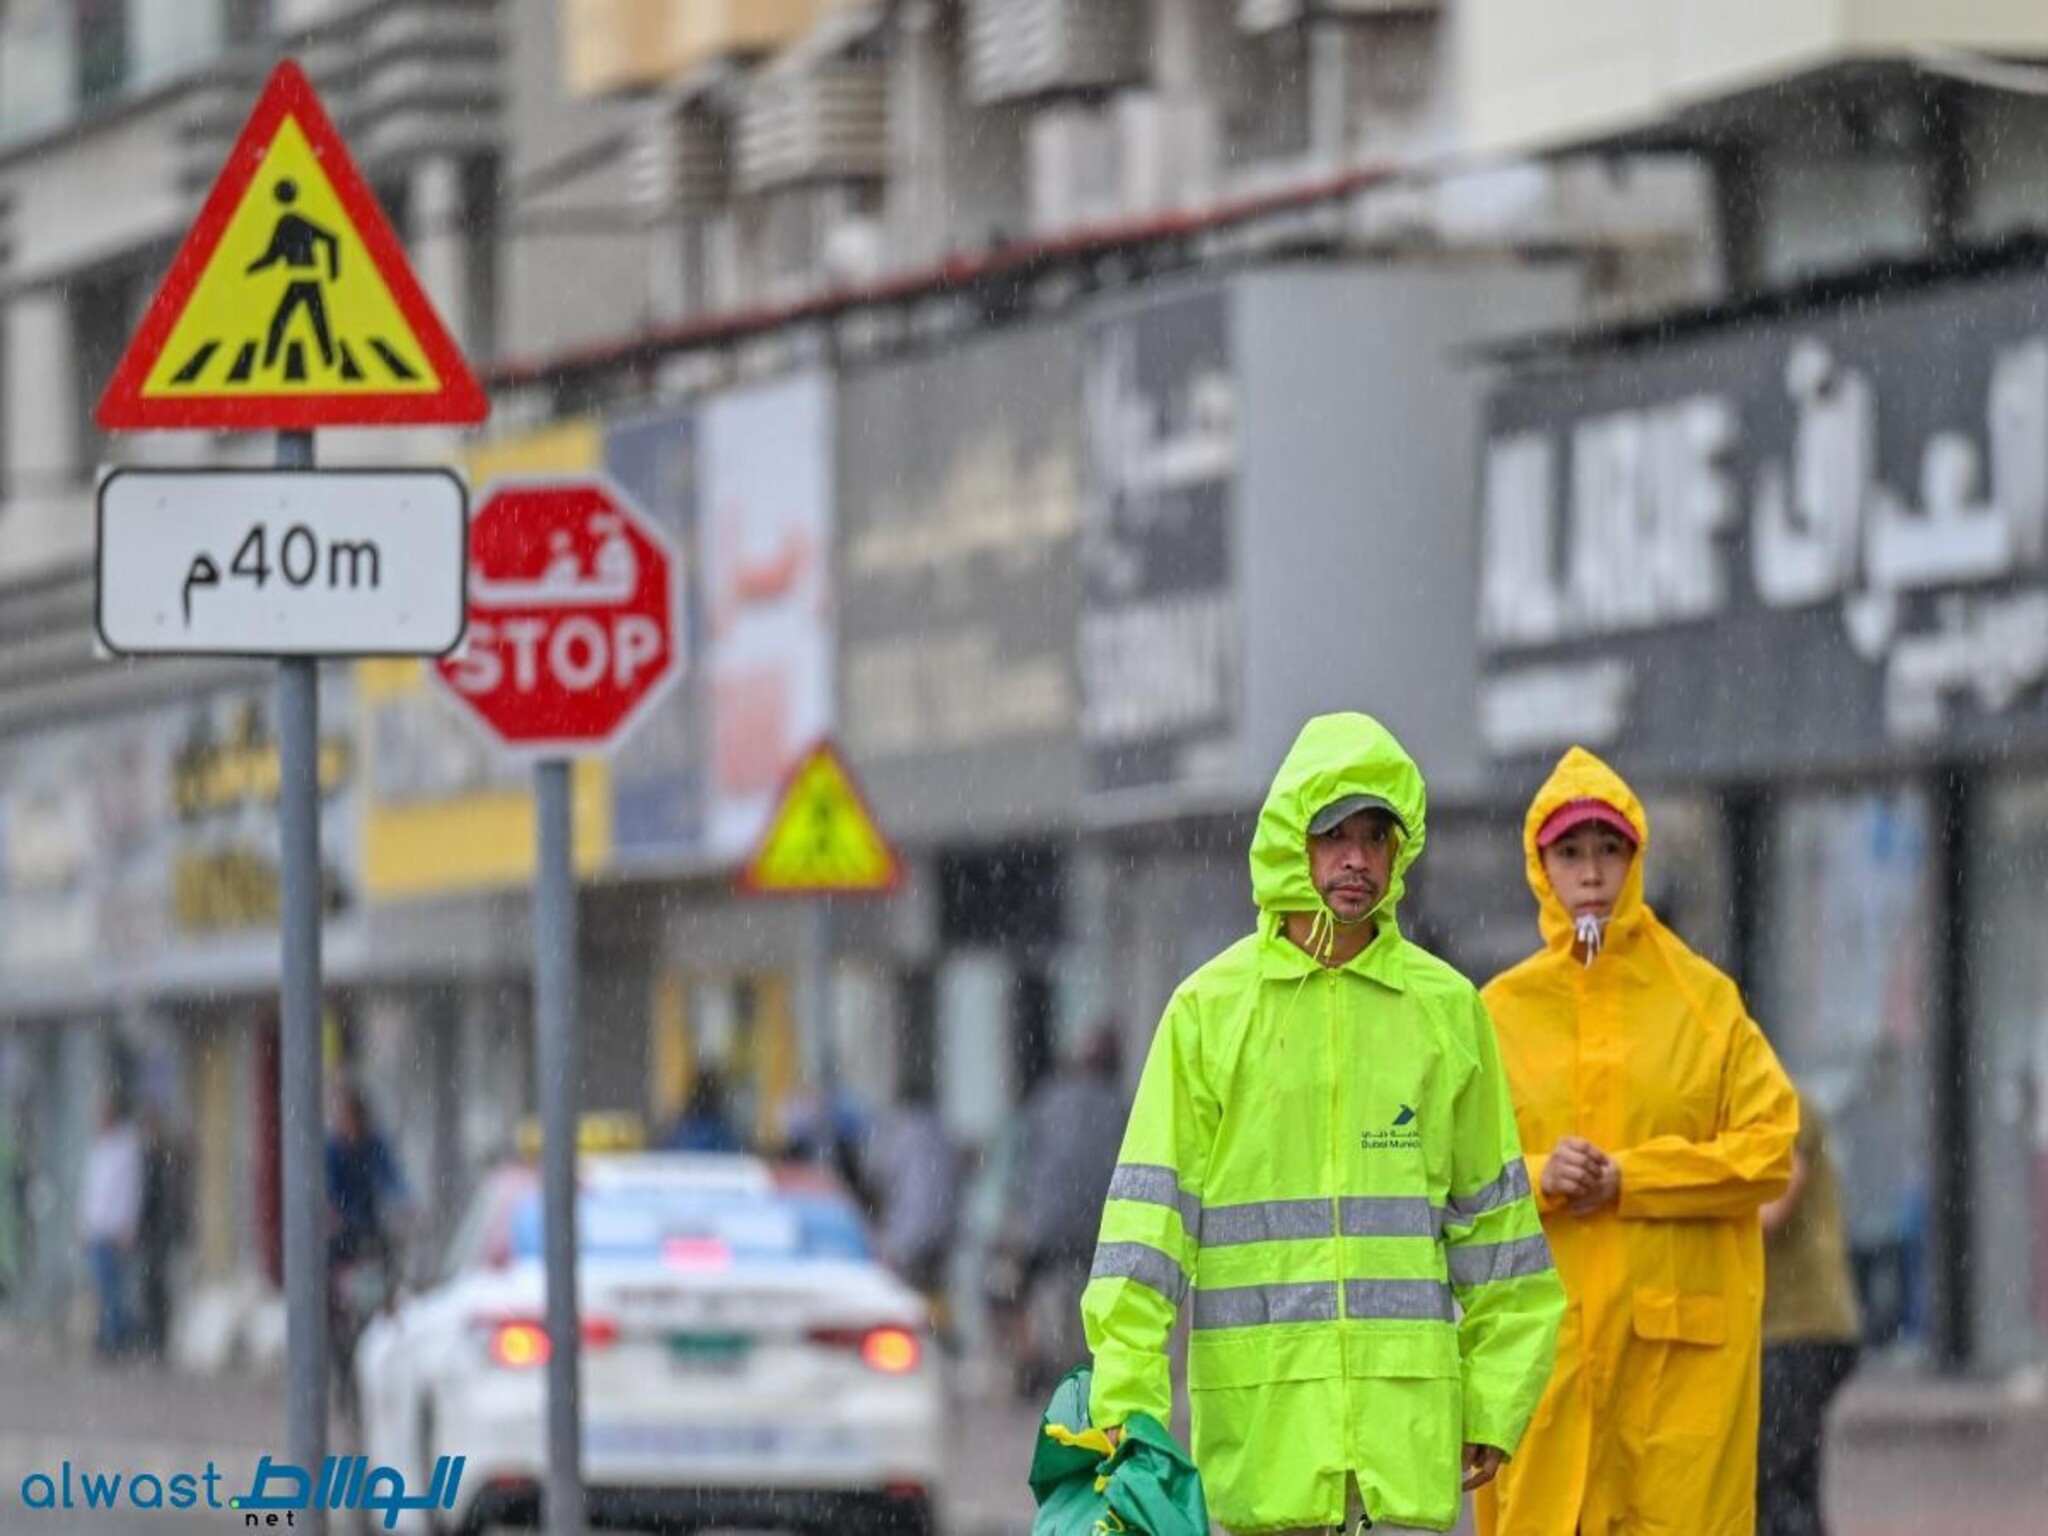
(1329, 125)
(44, 443)
(917, 119)
(41, 402)
(438, 215)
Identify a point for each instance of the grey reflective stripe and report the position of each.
(1264, 1221)
(1512, 1185)
(1252, 1306)
(1387, 1216)
(1411, 1301)
(1155, 1184)
(1143, 1263)
(1483, 1263)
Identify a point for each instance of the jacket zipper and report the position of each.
(1333, 1151)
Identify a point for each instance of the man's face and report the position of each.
(1353, 863)
(1586, 868)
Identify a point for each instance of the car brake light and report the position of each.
(521, 1343)
(888, 1349)
(892, 1351)
(519, 1346)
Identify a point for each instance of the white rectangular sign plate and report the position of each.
(225, 562)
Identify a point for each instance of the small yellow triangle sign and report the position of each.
(822, 839)
(290, 305)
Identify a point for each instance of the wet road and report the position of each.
(1912, 1459)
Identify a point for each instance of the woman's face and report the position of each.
(1587, 867)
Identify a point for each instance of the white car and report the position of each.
(746, 1361)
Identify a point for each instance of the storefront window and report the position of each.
(1846, 952)
(1686, 880)
(743, 1030)
(975, 1053)
(2008, 864)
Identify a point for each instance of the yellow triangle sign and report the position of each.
(290, 304)
(822, 839)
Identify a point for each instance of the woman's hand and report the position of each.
(1579, 1174)
(1605, 1189)
(1781, 1210)
(1569, 1172)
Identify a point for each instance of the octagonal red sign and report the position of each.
(574, 614)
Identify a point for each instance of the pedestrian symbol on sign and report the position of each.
(822, 839)
(297, 242)
(290, 304)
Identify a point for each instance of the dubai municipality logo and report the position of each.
(1403, 1135)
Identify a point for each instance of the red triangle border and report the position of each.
(124, 407)
(749, 881)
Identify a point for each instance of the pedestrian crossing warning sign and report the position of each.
(822, 840)
(290, 305)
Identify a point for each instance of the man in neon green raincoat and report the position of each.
(1321, 1161)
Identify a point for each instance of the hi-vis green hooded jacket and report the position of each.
(1320, 1161)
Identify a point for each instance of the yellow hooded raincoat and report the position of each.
(1649, 1426)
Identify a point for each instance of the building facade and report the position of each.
(1056, 404)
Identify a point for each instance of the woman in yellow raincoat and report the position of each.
(1657, 1122)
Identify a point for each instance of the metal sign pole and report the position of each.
(818, 1007)
(556, 1056)
(301, 1116)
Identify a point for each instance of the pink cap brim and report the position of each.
(1574, 814)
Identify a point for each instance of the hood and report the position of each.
(1334, 756)
(1579, 775)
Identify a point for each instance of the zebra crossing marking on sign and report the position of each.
(290, 305)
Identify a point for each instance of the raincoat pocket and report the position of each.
(1685, 1338)
(1257, 1357)
(1679, 1317)
(1402, 1354)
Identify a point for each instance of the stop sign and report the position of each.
(573, 615)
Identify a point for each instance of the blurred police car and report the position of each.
(746, 1361)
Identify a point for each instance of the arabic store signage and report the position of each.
(1821, 541)
(223, 773)
(959, 491)
(131, 839)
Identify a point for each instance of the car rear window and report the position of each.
(696, 1227)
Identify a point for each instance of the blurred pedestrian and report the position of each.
(914, 1167)
(828, 1128)
(705, 1125)
(109, 1213)
(1811, 1328)
(160, 1230)
(1658, 1122)
(1323, 1154)
(368, 1202)
(1073, 1125)
(367, 1194)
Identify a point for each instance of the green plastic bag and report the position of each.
(1146, 1487)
